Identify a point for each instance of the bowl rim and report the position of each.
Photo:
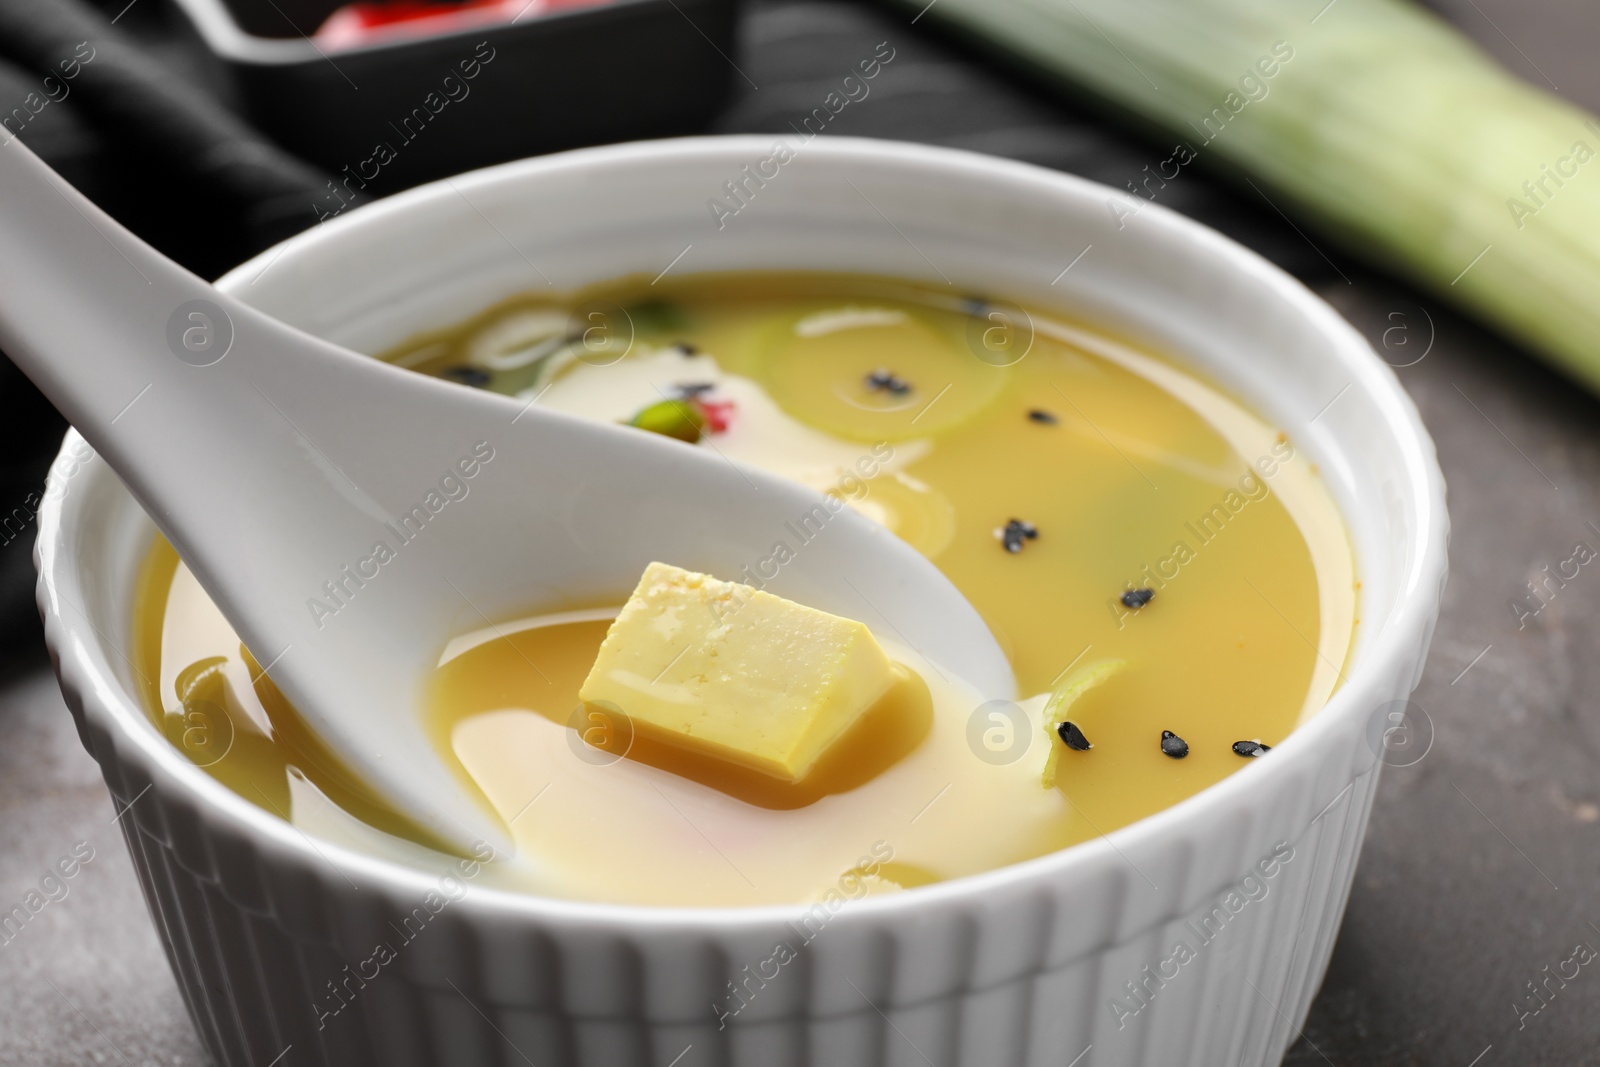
(1395, 638)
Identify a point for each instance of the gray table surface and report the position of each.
(1482, 865)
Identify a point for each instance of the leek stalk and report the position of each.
(1389, 131)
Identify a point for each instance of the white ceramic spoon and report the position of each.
(277, 464)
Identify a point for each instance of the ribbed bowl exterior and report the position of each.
(1197, 937)
(1027, 976)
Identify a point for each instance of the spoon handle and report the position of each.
(171, 381)
(258, 450)
(89, 311)
(184, 390)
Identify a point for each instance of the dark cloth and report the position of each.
(147, 112)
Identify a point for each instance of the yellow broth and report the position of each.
(945, 417)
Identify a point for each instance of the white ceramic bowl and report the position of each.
(1031, 964)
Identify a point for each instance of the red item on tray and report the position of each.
(368, 22)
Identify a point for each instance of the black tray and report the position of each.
(619, 71)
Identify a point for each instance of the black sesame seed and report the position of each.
(1014, 533)
(1073, 737)
(1138, 598)
(1041, 415)
(1173, 745)
(1250, 748)
(882, 380)
(476, 377)
(686, 349)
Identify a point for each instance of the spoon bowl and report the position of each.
(348, 517)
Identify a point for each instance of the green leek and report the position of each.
(1389, 131)
(1060, 703)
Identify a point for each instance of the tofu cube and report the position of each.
(728, 671)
